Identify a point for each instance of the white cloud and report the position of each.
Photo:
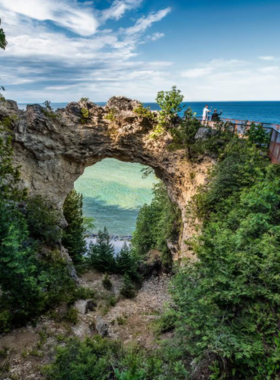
(68, 14)
(145, 22)
(267, 58)
(197, 73)
(269, 69)
(119, 8)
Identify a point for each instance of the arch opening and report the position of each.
(113, 193)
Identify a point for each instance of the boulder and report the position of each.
(101, 327)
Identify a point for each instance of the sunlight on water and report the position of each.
(113, 193)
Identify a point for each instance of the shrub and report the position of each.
(99, 358)
(106, 282)
(144, 112)
(85, 115)
(111, 116)
(128, 289)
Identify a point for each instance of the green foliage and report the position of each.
(42, 220)
(85, 115)
(29, 284)
(184, 134)
(31, 281)
(241, 165)
(227, 303)
(156, 224)
(128, 289)
(106, 282)
(104, 359)
(73, 234)
(101, 255)
(88, 223)
(84, 99)
(258, 135)
(111, 116)
(144, 112)
(3, 42)
(170, 104)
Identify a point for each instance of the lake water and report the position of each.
(114, 191)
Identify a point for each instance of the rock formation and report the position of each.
(54, 148)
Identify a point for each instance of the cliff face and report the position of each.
(54, 148)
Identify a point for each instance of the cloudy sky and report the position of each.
(62, 50)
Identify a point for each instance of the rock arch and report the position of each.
(54, 148)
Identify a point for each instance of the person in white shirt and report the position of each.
(205, 113)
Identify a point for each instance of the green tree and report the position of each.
(73, 234)
(3, 42)
(102, 255)
(157, 224)
(170, 104)
(227, 303)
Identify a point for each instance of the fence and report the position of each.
(241, 125)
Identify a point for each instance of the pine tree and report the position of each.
(73, 235)
(102, 255)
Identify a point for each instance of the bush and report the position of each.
(144, 112)
(128, 289)
(85, 115)
(100, 359)
(106, 282)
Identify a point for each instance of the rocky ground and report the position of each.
(24, 351)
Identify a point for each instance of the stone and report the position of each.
(84, 306)
(101, 327)
(151, 266)
(54, 148)
(202, 133)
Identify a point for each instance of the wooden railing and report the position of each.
(240, 126)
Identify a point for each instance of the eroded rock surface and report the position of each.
(54, 148)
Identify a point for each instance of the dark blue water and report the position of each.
(266, 112)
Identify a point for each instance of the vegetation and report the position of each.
(157, 224)
(99, 358)
(128, 289)
(170, 104)
(73, 234)
(144, 112)
(102, 257)
(3, 41)
(227, 303)
(111, 116)
(33, 275)
(85, 115)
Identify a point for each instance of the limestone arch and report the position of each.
(54, 148)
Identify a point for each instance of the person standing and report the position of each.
(216, 116)
(205, 114)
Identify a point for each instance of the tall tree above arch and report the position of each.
(3, 42)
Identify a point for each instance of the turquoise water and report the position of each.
(113, 193)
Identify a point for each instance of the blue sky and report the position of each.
(63, 50)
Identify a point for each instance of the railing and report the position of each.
(240, 126)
